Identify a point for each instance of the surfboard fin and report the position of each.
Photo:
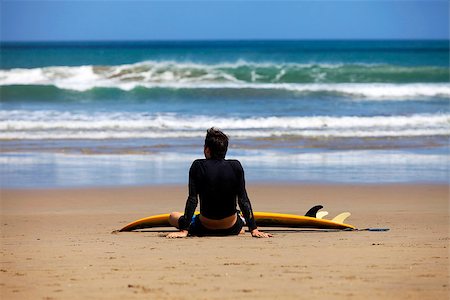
(313, 211)
(321, 214)
(341, 217)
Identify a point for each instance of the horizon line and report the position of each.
(223, 40)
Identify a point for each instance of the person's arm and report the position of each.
(191, 203)
(192, 200)
(245, 205)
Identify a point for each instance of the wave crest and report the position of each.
(349, 79)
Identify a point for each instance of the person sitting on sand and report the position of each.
(218, 182)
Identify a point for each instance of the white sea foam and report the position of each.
(261, 76)
(21, 124)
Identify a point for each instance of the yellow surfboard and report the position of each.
(263, 219)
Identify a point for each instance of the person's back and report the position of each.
(219, 183)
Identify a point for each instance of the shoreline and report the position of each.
(35, 170)
(251, 184)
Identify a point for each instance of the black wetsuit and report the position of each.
(220, 184)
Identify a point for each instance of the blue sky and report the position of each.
(223, 20)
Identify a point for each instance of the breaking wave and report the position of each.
(359, 80)
(21, 124)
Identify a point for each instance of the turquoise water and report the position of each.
(297, 111)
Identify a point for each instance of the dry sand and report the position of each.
(57, 244)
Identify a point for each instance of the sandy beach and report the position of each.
(57, 244)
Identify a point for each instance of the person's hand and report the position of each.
(259, 234)
(178, 234)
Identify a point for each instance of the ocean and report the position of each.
(78, 114)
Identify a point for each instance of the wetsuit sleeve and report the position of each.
(243, 200)
(192, 200)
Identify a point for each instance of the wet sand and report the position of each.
(57, 244)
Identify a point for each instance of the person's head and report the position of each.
(216, 144)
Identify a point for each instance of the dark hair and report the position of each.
(217, 142)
